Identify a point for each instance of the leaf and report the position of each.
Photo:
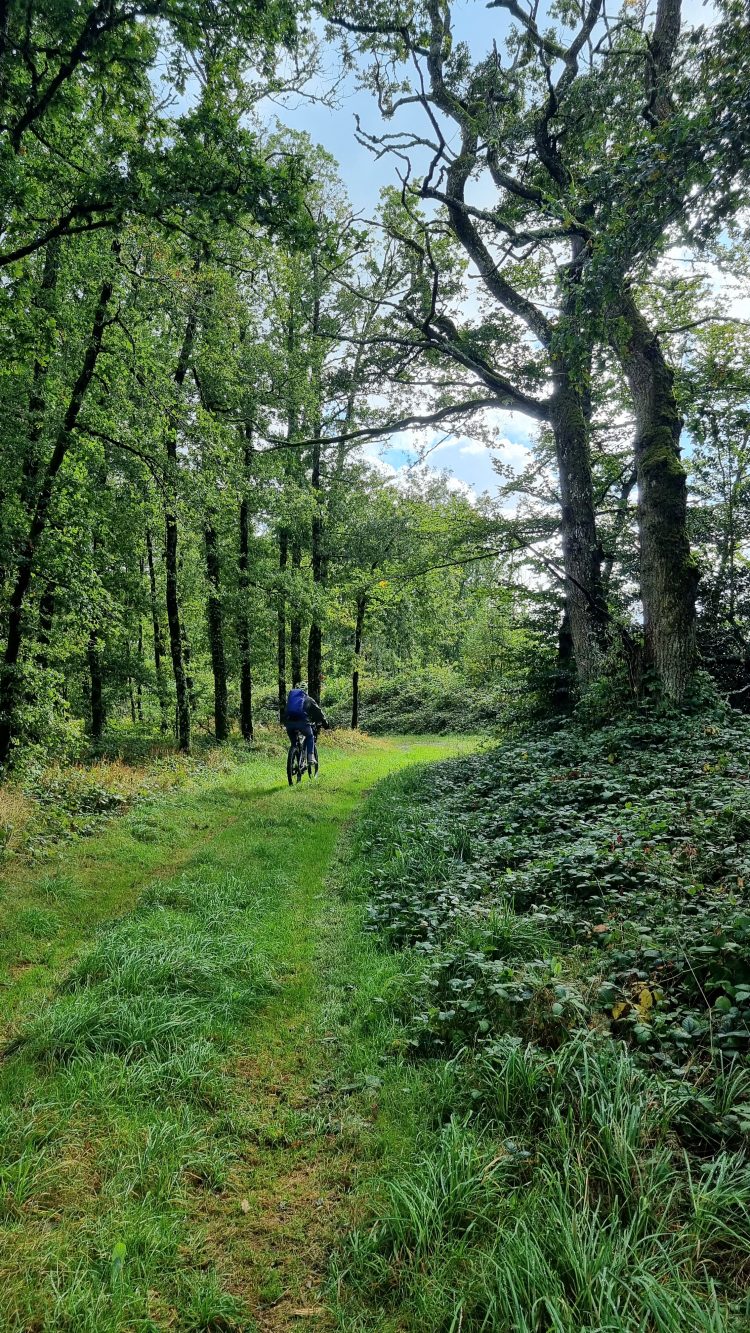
(118, 1259)
(245, 1206)
(620, 1008)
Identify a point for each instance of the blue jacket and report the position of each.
(301, 708)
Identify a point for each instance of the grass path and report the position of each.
(171, 1157)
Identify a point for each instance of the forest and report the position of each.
(400, 354)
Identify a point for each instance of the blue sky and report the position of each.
(469, 461)
(364, 177)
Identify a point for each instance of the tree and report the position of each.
(566, 226)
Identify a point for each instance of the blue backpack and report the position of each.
(295, 705)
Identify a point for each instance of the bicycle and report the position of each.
(296, 760)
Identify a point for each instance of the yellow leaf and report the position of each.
(619, 1009)
(645, 1003)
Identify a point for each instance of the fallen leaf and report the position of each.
(619, 1009)
(245, 1206)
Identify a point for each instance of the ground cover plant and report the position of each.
(569, 916)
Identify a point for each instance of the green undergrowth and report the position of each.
(45, 805)
(438, 701)
(565, 994)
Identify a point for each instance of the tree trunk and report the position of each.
(562, 693)
(585, 604)
(281, 623)
(358, 632)
(295, 626)
(38, 523)
(139, 653)
(94, 657)
(182, 723)
(157, 633)
(171, 543)
(215, 617)
(669, 574)
(315, 641)
(243, 619)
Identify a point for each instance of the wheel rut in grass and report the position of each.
(270, 1231)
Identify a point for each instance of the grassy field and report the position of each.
(176, 1148)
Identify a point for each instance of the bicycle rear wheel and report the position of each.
(292, 764)
(312, 771)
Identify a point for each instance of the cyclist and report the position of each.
(300, 712)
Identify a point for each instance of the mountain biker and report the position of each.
(301, 710)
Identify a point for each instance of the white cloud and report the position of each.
(379, 464)
(516, 455)
(512, 452)
(461, 488)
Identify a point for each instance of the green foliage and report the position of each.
(436, 700)
(629, 846)
(571, 917)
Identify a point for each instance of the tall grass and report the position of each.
(118, 1127)
(559, 1202)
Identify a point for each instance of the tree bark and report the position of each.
(295, 625)
(358, 632)
(215, 617)
(582, 557)
(38, 522)
(281, 623)
(669, 574)
(171, 544)
(94, 658)
(139, 652)
(157, 635)
(562, 693)
(243, 619)
(315, 641)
